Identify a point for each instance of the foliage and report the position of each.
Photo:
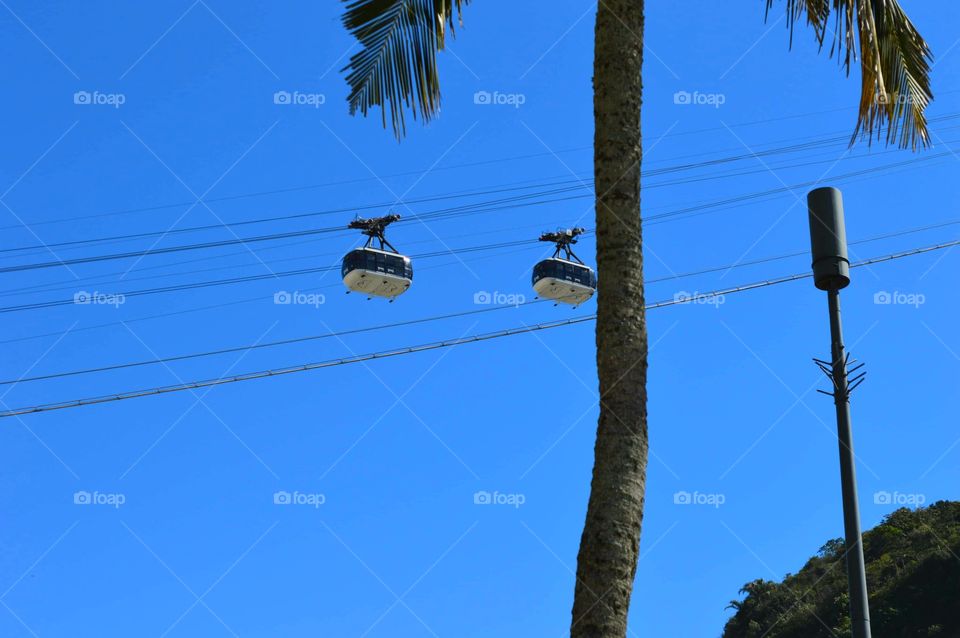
(913, 575)
(397, 61)
(894, 62)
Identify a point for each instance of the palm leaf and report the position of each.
(396, 66)
(894, 63)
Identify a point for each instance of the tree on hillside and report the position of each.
(396, 69)
(912, 566)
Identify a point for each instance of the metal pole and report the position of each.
(856, 572)
(831, 272)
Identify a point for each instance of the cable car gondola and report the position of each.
(565, 280)
(376, 272)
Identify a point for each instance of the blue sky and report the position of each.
(177, 116)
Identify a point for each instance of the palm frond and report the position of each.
(903, 90)
(396, 66)
(894, 63)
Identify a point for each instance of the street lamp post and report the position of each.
(831, 272)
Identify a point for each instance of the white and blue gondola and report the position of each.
(376, 272)
(564, 279)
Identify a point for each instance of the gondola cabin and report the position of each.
(377, 273)
(564, 281)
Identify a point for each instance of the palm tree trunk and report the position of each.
(609, 547)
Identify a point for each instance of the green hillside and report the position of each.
(913, 574)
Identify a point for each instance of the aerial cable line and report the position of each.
(468, 259)
(164, 315)
(260, 238)
(792, 187)
(260, 277)
(161, 233)
(684, 213)
(169, 249)
(442, 213)
(348, 209)
(673, 277)
(572, 185)
(274, 372)
(649, 220)
(713, 269)
(483, 206)
(48, 288)
(800, 253)
(420, 172)
(290, 189)
(644, 173)
(107, 278)
(727, 203)
(446, 168)
(269, 344)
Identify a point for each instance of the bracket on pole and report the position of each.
(852, 382)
